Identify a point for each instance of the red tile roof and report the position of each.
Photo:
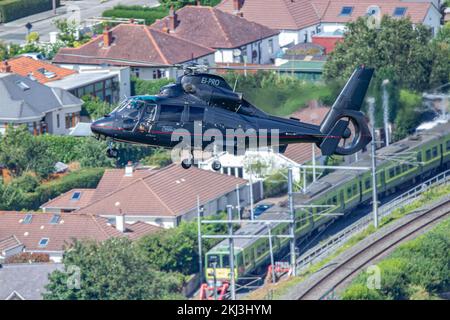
(214, 28)
(70, 226)
(330, 10)
(26, 66)
(171, 191)
(134, 45)
(65, 200)
(302, 152)
(9, 242)
(276, 14)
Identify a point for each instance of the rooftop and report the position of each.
(133, 45)
(276, 14)
(40, 70)
(45, 232)
(214, 28)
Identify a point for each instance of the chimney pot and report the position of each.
(107, 37)
(120, 223)
(129, 169)
(5, 67)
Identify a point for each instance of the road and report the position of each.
(15, 31)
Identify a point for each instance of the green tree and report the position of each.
(408, 114)
(95, 108)
(20, 151)
(91, 153)
(68, 32)
(397, 46)
(111, 270)
(160, 158)
(181, 3)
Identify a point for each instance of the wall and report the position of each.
(297, 36)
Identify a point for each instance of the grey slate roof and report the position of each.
(27, 280)
(34, 101)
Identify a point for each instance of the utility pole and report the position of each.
(292, 218)
(199, 239)
(371, 102)
(250, 190)
(238, 200)
(231, 245)
(272, 262)
(386, 111)
(54, 6)
(314, 160)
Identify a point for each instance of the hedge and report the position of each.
(14, 9)
(150, 15)
(84, 178)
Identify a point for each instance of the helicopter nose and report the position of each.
(103, 126)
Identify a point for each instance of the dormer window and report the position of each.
(22, 85)
(399, 12)
(346, 11)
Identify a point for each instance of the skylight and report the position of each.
(27, 219)
(22, 85)
(55, 219)
(46, 73)
(43, 242)
(76, 196)
(346, 11)
(399, 11)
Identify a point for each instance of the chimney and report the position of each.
(120, 223)
(129, 168)
(107, 37)
(5, 67)
(172, 19)
(236, 6)
(199, 3)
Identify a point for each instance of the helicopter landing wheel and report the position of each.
(186, 163)
(112, 153)
(216, 165)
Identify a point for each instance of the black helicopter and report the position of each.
(200, 102)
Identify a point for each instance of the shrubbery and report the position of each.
(15, 9)
(137, 12)
(275, 184)
(418, 269)
(147, 87)
(27, 257)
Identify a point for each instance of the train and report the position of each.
(399, 165)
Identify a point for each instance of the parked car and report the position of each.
(34, 55)
(261, 208)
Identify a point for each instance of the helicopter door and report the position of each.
(169, 119)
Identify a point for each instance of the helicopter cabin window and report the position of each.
(196, 114)
(171, 113)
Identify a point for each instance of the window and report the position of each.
(27, 219)
(213, 259)
(76, 196)
(419, 156)
(55, 219)
(392, 172)
(349, 192)
(355, 189)
(58, 122)
(240, 172)
(171, 113)
(346, 11)
(435, 152)
(270, 46)
(399, 11)
(398, 170)
(22, 85)
(196, 114)
(232, 171)
(335, 200)
(367, 183)
(428, 155)
(225, 261)
(43, 242)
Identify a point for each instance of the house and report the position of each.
(43, 109)
(25, 281)
(106, 84)
(295, 154)
(335, 14)
(151, 54)
(297, 21)
(235, 39)
(301, 20)
(162, 197)
(303, 60)
(51, 233)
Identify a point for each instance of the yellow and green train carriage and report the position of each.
(417, 158)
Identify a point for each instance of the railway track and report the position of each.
(350, 266)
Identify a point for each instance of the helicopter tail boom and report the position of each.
(345, 113)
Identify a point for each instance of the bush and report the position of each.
(137, 12)
(15, 9)
(275, 184)
(27, 257)
(147, 87)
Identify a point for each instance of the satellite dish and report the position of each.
(237, 52)
(373, 11)
(374, 17)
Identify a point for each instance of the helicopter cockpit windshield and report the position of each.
(136, 114)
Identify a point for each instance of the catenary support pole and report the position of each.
(231, 245)
(371, 102)
(292, 217)
(199, 239)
